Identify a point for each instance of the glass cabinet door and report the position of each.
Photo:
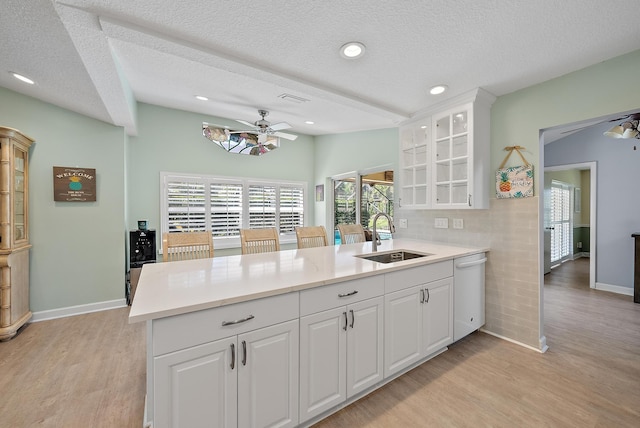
(19, 195)
(414, 160)
(452, 157)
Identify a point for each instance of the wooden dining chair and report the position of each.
(186, 246)
(255, 241)
(351, 233)
(311, 236)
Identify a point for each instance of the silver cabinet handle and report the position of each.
(244, 353)
(346, 321)
(233, 356)
(469, 264)
(225, 323)
(348, 294)
(421, 295)
(353, 318)
(427, 290)
(469, 199)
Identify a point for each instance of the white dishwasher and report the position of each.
(468, 298)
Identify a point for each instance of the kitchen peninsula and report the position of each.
(287, 337)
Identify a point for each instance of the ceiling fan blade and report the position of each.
(285, 135)
(244, 122)
(280, 125)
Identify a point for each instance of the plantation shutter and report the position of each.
(561, 222)
(262, 206)
(186, 206)
(226, 209)
(291, 208)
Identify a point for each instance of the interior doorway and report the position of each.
(579, 219)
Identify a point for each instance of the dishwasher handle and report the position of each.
(469, 264)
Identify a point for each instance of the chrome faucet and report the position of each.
(374, 238)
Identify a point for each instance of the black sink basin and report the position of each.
(392, 256)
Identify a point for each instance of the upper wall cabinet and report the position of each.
(444, 155)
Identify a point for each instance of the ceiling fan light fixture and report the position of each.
(352, 50)
(438, 89)
(22, 78)
(627, 129)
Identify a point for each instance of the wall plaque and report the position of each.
(74, 184)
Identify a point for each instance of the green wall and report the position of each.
(171, 141)
(78, 248)
(355, 151)
(602, 89)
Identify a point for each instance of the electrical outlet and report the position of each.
(441, 223)
(403, 223)
(458, 223)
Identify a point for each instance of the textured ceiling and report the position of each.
(99, 57)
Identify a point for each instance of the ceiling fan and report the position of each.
(264, 127)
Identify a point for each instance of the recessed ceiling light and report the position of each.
(22, 78)
(310, 122)
(201, 98)
(438, 89)
(352, 50)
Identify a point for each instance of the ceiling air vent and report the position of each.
(293, 98)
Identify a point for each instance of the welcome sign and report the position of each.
(74, 184)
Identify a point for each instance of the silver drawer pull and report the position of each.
(250, 317)
(348, 294)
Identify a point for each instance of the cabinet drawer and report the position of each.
(195, 328)
(406, 278)
(335, 295)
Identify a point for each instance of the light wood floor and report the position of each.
(88, 371)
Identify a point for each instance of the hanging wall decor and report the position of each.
(73, 184)
(515, 181)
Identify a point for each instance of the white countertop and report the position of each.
(173, 288)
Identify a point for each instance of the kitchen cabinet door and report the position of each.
(437, 318)
(323, 342)
(364, 345)
(402, 329)
(197, 386)
(268, 376)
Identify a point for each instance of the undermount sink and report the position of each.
(392, 256)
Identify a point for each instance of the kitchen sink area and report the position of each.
(393, 256)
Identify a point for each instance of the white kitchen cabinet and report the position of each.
(341, 348)
(415, 163)
(402, 329)
(418, 314)
(444, 154)
(437, 315)
(469, 295)
(195, 385)
(249, 380)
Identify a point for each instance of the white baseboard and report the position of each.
(77, 310)
(627, 291)
(543, 341)
(581, 254)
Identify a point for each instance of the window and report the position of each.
(225, 205)
(561, 223)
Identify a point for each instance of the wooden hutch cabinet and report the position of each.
(14, 231)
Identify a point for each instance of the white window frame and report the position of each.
(230, 242)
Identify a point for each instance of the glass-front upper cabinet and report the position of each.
(453, 153)
(415, 163)
(444, 155)
(14, 189)
(19, 195)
